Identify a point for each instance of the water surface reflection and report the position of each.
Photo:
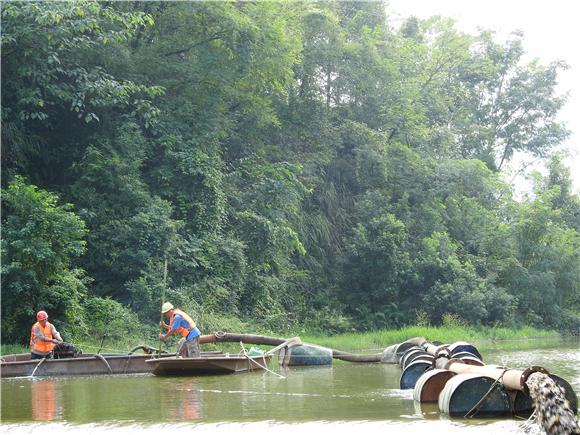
(46, 404)
(345, 398)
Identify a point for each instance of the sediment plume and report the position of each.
(553, 412)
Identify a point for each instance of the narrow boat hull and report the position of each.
(89, 364)
(206, 365)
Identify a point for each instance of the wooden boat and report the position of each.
(207, 364)
(85, 364)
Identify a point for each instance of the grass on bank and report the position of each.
(363, 342)
(377, 341)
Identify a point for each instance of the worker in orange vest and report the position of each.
(180, 323)
(43, 337)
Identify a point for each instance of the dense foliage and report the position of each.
(298, 165)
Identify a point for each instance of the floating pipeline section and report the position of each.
(454, 376)
(421, 356)
(295, 353)
(463, 386)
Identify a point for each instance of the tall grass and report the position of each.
(378, 340)
(369, 342)
(9, 349)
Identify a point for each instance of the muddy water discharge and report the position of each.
(553, 412)
(347, 398)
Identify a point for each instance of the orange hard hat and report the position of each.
(41, 315)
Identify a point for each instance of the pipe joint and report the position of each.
(450, 362)
(526, 374)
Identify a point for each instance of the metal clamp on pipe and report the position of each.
(441, 352)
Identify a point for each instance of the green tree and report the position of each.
(513, 106)
(56, 89)
(40, 240)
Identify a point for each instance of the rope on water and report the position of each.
(37, 365)
(257, 363)
(473, 411)
(530, 422)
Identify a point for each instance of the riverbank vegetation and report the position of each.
(356, 342)
(377, 341)
(297, 166)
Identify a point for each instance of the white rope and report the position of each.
(37, 365)
(257, 363)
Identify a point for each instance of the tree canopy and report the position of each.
(297, 164)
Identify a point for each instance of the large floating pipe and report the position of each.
(275, 341)
(245, 338)
(511, 378)
(346, 356)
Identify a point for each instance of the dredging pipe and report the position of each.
(221, 336)
(556, 412)
(511, 378)
(346, 356)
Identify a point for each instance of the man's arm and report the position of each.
(39, 334)
(173, 328)
(55, 335)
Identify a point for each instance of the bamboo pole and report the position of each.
(162, 302)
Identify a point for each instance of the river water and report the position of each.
(345, 398)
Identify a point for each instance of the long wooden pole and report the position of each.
(162, 302)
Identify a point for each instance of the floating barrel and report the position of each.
(404, 347)
(462, 354)
(423, 359)
(407, 351)
(462, 346)
(463, 392)
(469, 359)
(524, 407)
(412, 373)
(409, 357)
(306, 355)
(430, 384)
(393, 353)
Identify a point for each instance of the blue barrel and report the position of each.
(403, 353)
(463, 391)
(307, 355)
(404, 347)
(462, 354)
(462, 346)
(412, 373)
(409, 357)
(469, 359)
(430, 384)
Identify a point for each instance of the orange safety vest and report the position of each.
(37, 344)
(181, 330)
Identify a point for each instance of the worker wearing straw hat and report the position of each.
(180, 323)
